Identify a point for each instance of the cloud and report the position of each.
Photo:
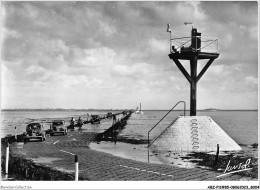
(190, 11)
(242, 29)
(10, 33)
(251, 80)
(217, 70)
(36, 72)
(97, 57)
(238, 12)
(32, 10)
(7, 76)
(158, 45)
(106, 28)
(253, 32)
(226, 41)
(112, 50)
(137, 70)
(198, 12)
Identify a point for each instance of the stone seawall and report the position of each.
(195, 134)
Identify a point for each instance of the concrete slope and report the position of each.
(194, 134)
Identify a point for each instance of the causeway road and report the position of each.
(58, 152)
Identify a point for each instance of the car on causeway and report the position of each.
(34, 131)
(109, 115)
(57, 127)
(95, 119)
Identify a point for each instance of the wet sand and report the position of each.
(183, 159)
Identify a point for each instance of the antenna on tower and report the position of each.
(169, 30)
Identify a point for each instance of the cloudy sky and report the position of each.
(115, 54)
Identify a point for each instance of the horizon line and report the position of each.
(50, 109)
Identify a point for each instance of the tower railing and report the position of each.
(184, 109)
(208, 44)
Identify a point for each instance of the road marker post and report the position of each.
(7, 160)
(15, 133)
(76, 168)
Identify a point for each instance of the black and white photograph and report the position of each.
(129, 94)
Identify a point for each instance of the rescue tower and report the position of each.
(193, 133)
(193, 49)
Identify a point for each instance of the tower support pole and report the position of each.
(193, 85)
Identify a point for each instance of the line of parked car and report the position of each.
(57, 127)
(36, 130)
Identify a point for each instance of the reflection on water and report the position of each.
(45, 160)
(125, 150)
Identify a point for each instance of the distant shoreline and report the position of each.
(109, 110)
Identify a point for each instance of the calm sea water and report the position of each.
(19, 119)
(242, 126)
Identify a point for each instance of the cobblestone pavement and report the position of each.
(57, 152)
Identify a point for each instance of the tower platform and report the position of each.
(190, 55)
(194, 134)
